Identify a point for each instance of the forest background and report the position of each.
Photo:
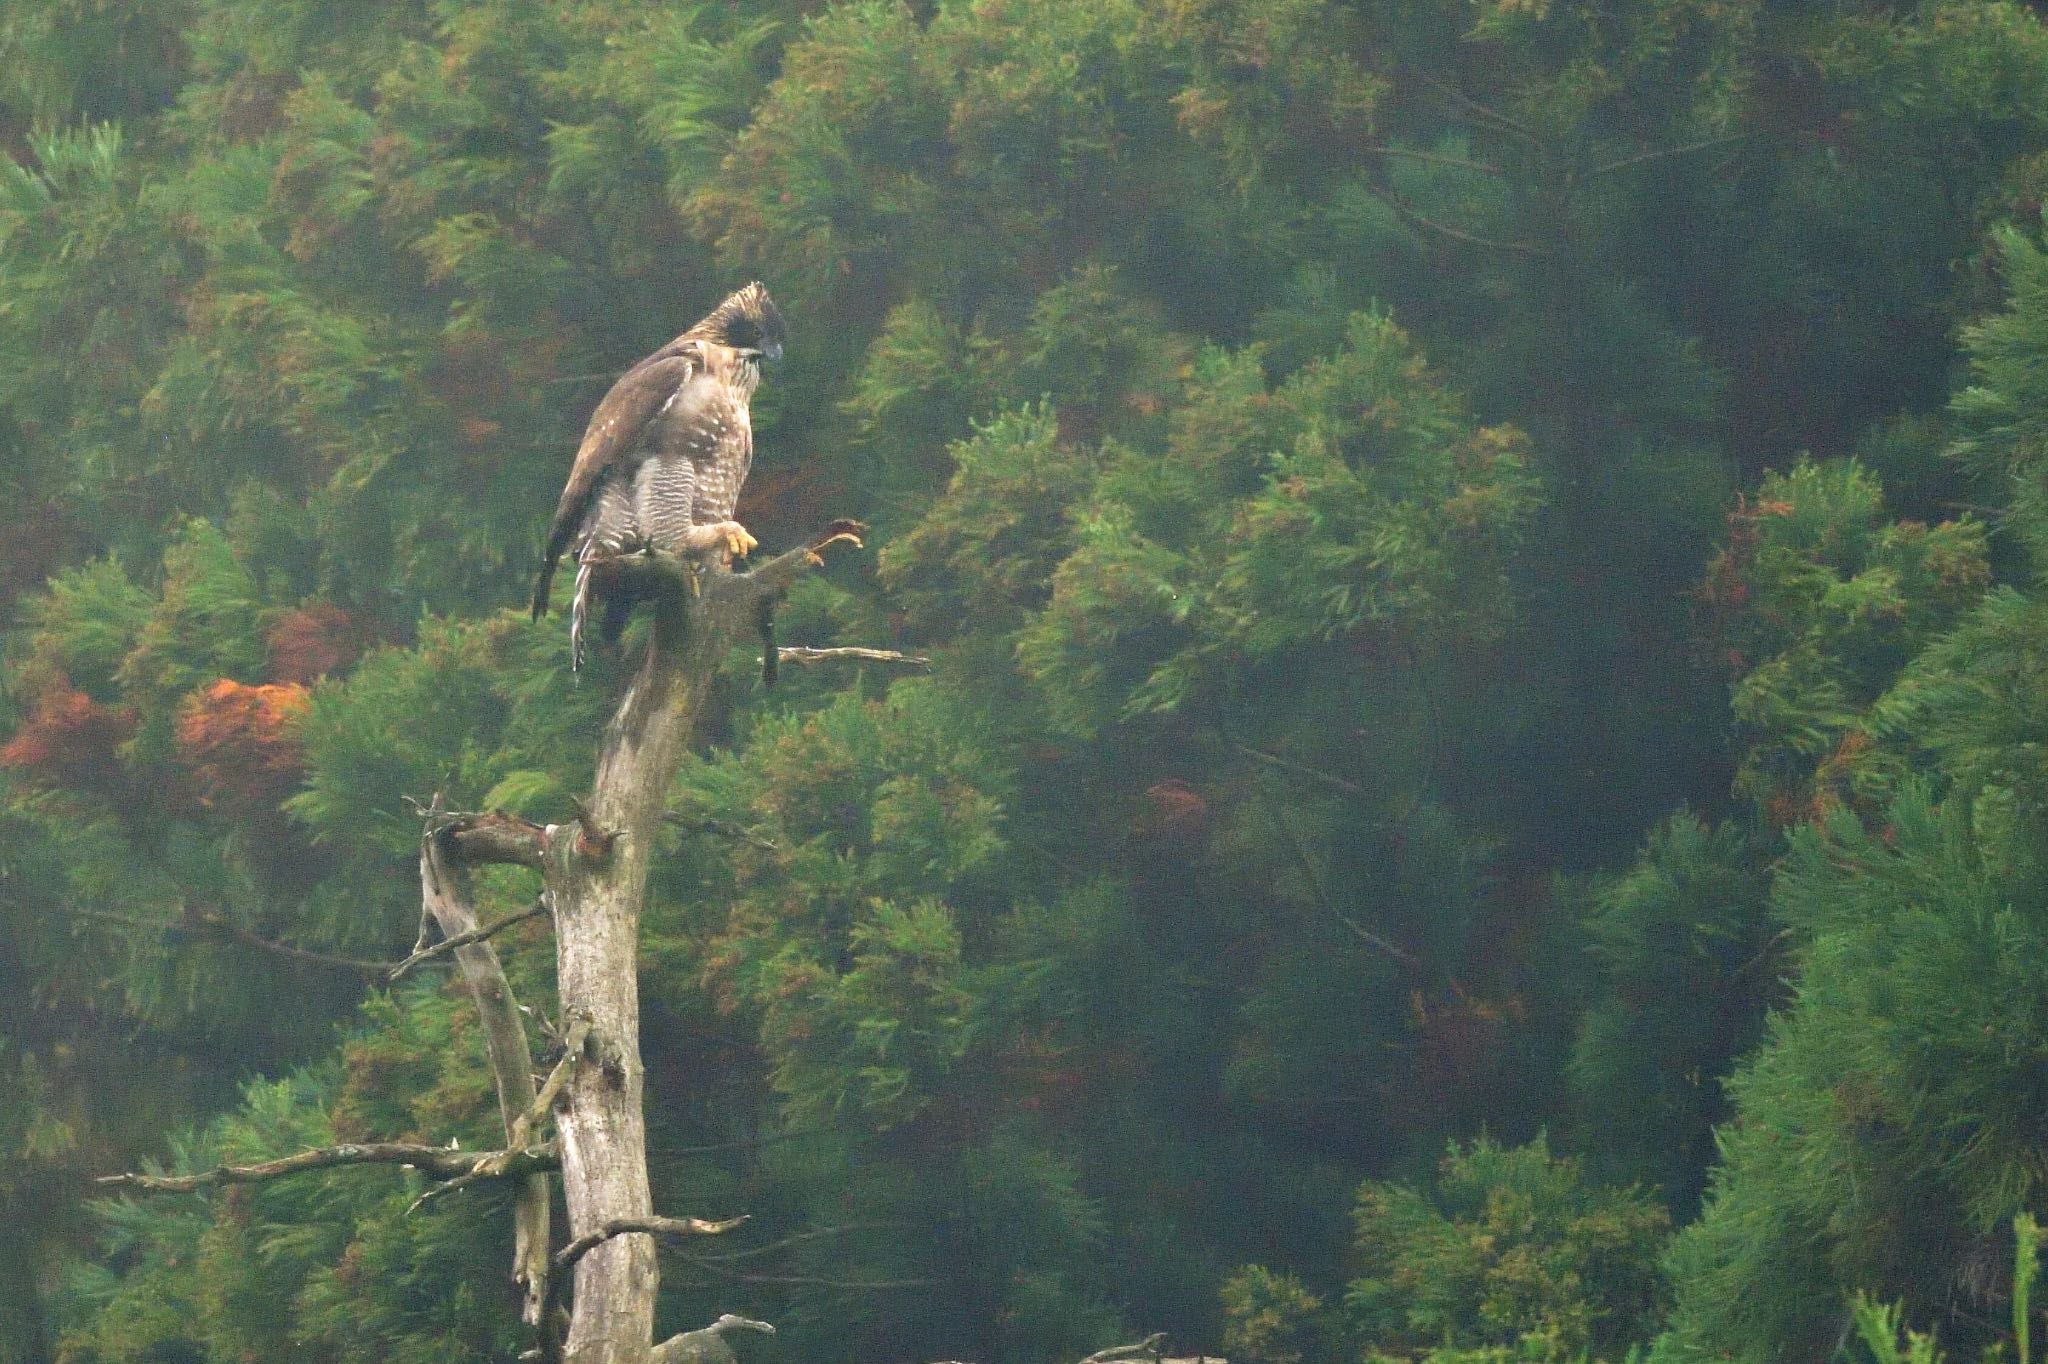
(1482, 793)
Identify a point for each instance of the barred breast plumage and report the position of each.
(666, 453)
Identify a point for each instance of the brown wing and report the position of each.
(614, 430)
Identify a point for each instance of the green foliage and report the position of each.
(1305, 436)
(1685, 948)
(1999, 412)
(1879, 1328)
(333, 1266)
(1355, 500)
(1269, 1318)
(984, 552)
(85, 626)
(1822, 600)
(1510, 1248)
(1883, 1128)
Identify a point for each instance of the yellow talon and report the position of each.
(739, 543)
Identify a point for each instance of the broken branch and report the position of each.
(439, 1162)
(477, 837)
(798, 653)
(567, 1256)
(592, 838)
(572, 1055)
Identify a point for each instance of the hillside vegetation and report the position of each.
(1483, 793)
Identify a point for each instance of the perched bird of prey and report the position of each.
(662, 461)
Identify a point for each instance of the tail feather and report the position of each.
(579, 611)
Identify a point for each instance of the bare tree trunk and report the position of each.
(595, 873)
(598, 882)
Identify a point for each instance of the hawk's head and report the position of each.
(747, 322)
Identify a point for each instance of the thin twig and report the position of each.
(1436, 159)
(1484, 112)
(1289, 765)
(218, 923)
(1404, 211)
(1763, 954)
(448, 945)
(122, 920)
(1329, 906)
(1660, 153)
(798, 1238)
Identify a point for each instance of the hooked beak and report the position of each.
(773, 351)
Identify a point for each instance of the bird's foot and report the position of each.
(738, 543)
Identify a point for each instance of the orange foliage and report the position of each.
(70, 739)
(1784, 810)
(1173, 811)
(308, 644)
(240, 743)
(478, 430)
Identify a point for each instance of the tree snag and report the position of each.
(598, 883)
(594, 874)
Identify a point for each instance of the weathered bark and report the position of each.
(598, 881)
(444, 886)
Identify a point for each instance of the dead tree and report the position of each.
(592, 1300)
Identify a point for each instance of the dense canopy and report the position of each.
(1481, 794)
